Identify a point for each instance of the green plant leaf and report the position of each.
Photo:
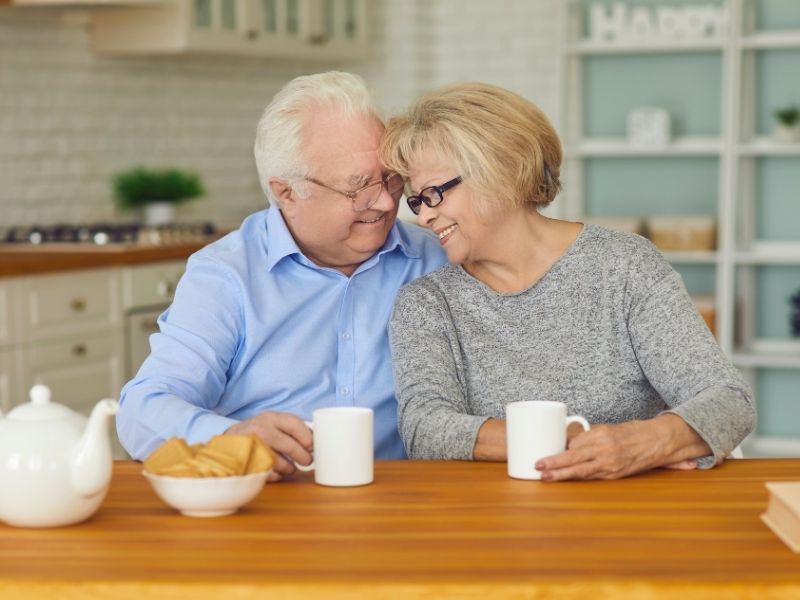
(139, 186)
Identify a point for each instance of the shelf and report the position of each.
(771, 39)
(687, 146)
(662, 47)
(765, 146)
(780, 353)
(696, 257)
(758, 446)
(770, 253)
(775, 361)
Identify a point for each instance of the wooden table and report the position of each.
(430, 529)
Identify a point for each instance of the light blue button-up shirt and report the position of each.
(255, 326)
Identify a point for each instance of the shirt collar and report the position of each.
(281, 244)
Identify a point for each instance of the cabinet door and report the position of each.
(323, 29)
(217, 25)
(68, 304)
(150, 285)
(6, 321)
(10, 395)
(79, 372)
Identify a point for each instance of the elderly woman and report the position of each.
(538, 308)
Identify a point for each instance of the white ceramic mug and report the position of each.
(343, 446)
(535, 429)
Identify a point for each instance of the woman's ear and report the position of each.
(282, 191)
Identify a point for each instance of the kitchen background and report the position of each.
(71, 116)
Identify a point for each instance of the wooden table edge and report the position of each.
(597, 589)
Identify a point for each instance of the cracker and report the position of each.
(237, 446)
(223, 456)
(171, 452)
(261, 457)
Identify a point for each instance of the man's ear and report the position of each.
(282, 191)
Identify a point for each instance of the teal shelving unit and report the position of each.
(723, 160)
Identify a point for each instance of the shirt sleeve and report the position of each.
(181, 382)
(682, 360)
(432, 404)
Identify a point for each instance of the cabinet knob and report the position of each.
(164, 288)
(79, 350)
(78, 304)
(252, 34)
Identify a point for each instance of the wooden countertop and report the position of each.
(432, 529)
(24, 259)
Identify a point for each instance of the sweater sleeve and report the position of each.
(683, 361)
(433, 407)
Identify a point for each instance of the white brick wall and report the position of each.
(70, 118)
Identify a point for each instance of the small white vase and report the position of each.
(787, 134)
(159, 213)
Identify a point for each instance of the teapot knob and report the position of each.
(40, 394)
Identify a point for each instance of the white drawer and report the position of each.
(79, 371)
(150, 285)
(61, 305)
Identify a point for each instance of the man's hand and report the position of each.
(616, 451)
(285, 433)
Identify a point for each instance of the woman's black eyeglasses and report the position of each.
(431, 196)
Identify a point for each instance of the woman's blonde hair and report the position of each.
(502, 144)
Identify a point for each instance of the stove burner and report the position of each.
(101, 234)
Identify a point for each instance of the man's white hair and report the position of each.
(278, 148)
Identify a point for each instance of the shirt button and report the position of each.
(345, 336)
(345, 391)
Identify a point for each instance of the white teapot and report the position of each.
(55, 467)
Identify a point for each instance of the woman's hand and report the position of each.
(616, 451)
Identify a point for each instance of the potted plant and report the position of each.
(157, 191)
(788, 127)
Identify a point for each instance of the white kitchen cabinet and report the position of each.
(147, 290)
(148, 286)
(52, 306)
(10, 394)
(80, 370)
(6, 320)
(72, 331)
(299, 29)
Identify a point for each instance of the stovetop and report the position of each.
(101, 234)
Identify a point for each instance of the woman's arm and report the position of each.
(710, 408)
(433, 413)
(615, 451)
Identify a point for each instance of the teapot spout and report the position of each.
(90, 462)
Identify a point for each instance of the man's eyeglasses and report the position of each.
(431, 196)
(364, 197)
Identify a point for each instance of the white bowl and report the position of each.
(207, 496)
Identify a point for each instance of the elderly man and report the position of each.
(289, 313)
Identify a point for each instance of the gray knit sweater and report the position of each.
(609, 330)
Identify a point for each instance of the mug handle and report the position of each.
(580, 420)
(309, 467)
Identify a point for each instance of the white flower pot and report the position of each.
(787, 134)
(159, 213)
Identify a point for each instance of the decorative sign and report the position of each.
(648, 127)
(622, 23)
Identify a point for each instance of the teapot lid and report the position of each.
(40, 408)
